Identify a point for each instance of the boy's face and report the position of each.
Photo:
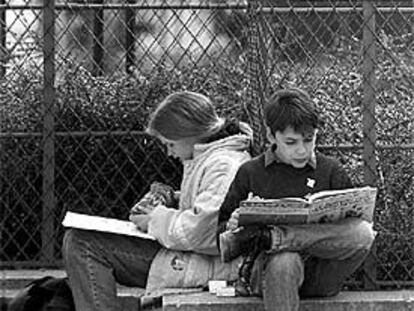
(294, 148)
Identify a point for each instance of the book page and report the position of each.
(357, 202)
(329, 193)
(103, 224)
(328, 209)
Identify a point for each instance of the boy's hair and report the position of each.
(291, 107)
(183, 115)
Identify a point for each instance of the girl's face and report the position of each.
(182, 149)
(294, 148)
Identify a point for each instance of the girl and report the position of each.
(185, 252)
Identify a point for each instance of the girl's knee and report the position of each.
(71, 236)
(72, 242)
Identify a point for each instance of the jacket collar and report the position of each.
(271, 157)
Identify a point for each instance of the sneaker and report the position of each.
(240, 241)
(243, 283)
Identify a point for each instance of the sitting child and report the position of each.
(185, 254)
(286, 262)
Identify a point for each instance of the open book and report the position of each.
(321, 207)
(104, 224)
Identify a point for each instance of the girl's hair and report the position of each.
(183, 115)
(291, 107)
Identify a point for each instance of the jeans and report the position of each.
(96, 261)
(310, 261)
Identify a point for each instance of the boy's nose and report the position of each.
(301, 149)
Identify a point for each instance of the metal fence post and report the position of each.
(368, 119)
(129, 37)
(255, 89)
(3, 48)
(98, 39)
(48, 186)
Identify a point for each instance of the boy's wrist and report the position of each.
(275, 239)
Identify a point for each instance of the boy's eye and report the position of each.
(290, 142)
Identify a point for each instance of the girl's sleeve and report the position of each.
(194, 229)
(238, 192)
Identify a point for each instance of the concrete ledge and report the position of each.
(345, 301)
(12, 281)
(128, 298)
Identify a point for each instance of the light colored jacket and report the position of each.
(190, 257)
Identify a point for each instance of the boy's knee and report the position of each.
(285, 265)
(364, 233)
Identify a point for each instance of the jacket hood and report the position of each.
(238, 142)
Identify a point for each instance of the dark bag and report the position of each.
(44, 294)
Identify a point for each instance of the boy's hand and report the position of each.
(233, 222)
(140, 221)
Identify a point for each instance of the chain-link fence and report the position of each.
(79, 78)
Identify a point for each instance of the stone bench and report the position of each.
(402, 300)
(346, 301)
(12, 281)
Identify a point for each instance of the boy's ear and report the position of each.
(269, 135)
(315, 136)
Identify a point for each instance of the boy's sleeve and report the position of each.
(340, 178)
(238, 191)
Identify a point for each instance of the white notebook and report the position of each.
(104, 224)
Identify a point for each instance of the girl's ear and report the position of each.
(270, 137)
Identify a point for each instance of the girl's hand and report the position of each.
(233, 222)
(140, 221)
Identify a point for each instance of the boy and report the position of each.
(286, 262)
